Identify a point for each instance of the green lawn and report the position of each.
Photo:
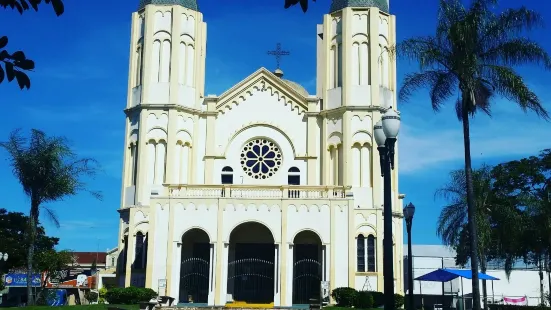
(87, 307)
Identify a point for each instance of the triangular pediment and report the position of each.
(262, 80)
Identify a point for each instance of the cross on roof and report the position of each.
(278, 53)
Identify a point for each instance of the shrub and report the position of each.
(363, 300)
(344, 296)
(398, 301)
(378, 299)
(91, 296)
(129, 295)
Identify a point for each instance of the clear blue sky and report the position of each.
(79, 90)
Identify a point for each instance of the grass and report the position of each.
(81, 307)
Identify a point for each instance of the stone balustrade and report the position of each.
(257, 191)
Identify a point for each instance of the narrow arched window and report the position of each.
(360, 255)
(227, 175)
(371, 261)
(293, 177)
(138, 255)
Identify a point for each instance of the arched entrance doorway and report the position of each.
(195, 266)
(307, 267)
(251, 264)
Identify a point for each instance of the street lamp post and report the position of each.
(385, 131)
(409, 211)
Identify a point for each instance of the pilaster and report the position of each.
(312, 138)
(170, 248)
(374, 55)
(149, 20)
(284, 250)
(171, 173)
(210, 149)
(131, 247)
(141, 186)
(219, 255)
(151, 248)
(175, 64)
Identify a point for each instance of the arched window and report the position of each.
(294, 176)
(138, 260)
(227, 175)
(360, 255)
(371, 262)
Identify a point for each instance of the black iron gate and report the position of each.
(307, 270)
(251, 273)
(194, 276)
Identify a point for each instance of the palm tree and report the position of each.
(452, 225)
(48, 171)
(471, 57)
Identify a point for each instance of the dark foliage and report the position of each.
(16, 63)
(364, 300)
(344, 296)
(13, 226)
(303, 4)
(378, 299)
(129, 295)
(398, 301)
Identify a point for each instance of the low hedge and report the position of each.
(129, 295)
(348, 297)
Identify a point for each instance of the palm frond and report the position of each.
(52, 216)
(510, 24)
(440, 83)
(510, 85)
(425, 50)
(516, 52)
(449, 13)
(482, 101)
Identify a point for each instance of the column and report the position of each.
(224, 274)
(131, 248)
(290, 271)
(212, 270)
(277, 274)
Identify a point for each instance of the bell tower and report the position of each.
(165, 91)
(356, 80)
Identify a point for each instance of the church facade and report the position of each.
(264, 192)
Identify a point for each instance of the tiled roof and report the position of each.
(337, 5)
(89, 257)
(190, 4)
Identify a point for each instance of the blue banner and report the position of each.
(20, 280)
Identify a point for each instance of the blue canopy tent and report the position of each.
(445, 275)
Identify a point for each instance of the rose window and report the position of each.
(261, 158)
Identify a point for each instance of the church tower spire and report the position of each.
(356, 79)
(165, 92)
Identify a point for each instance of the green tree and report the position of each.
(13, 228)
(452, 225)
(527, 182)
(16, 64)
(48, 171)
(471, 57)
(53, 262)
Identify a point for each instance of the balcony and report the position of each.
(258, 192)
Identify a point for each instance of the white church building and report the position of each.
(260, 194)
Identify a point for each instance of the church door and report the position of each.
(194, 268)
(307, 268)
(251, 265)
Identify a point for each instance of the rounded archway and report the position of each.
(194, 267)
(251, 261)
(307, 267)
